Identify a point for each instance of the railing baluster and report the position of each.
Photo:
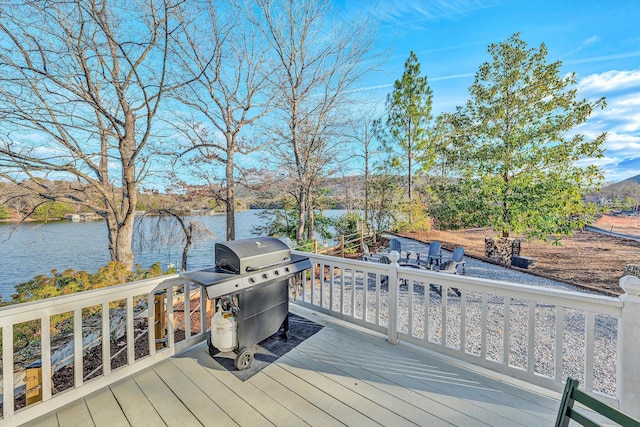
(463, 320)
(410, 308)
(45, 354)
(589, 349)
(171, 339)
(531, 360)
(427, 303)
(443, 316)
(106, 340)
(77, 347)
(8, 398)
(203, 310)
(187, 311)
(559, 343)
(506, 339)
(342, 273)
(365, 295)
(131, 351)
(312, 299)
(483, 335)
(353, 293)
(322, 285)
(378, 285)
(332, 276)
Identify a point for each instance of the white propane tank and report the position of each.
(224, 330)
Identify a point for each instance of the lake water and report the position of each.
(34, 249)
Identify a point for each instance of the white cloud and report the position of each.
(610, 81)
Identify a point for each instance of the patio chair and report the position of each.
(451, 265)
(396, 245)
(433, 257)
(366, 254)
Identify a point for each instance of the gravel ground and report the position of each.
(545, 319)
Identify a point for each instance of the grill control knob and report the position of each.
(265, 276)
(252, 280)
(277, 273)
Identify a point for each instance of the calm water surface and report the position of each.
(34, 249)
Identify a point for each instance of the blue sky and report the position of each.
(598, 40)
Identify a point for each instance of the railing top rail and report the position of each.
(562, 297)
(12, 314)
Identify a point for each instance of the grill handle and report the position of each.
(250, 268)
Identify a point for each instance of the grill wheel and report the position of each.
(244, 359)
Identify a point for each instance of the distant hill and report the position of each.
(635, 179)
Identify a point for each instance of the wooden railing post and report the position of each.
(392, 328)
(627, 367)
(159, 325)
(33, 382)
(342, 245)
(315, 246)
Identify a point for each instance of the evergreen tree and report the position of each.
(406, 136)
(517, 138)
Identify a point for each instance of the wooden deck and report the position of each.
(339, 376)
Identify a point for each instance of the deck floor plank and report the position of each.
(206, 410)
(215, 378)
(339, 376)
(309, 412)
(368, 386)
(105, 410)
(163, 399)
(443, 382)
(75, 414)
(377, 373)
(489, 392)
(46, 420)
(350, 396)
(326, 400)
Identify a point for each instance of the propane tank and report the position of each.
(224, 329)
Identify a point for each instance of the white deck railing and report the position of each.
(536, 334)
(127, 303)
(540, 335)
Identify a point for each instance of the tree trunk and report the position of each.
(230, 200)
(302, 210)
(311, 226)
(187, 246)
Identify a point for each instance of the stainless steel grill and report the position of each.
(254, 274)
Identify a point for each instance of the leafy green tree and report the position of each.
(385, 190)
(52, 210)
(517, 138)
(406, 136)
(347, 224)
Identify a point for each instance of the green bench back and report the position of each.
(567, 412)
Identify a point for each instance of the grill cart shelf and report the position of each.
(252, 274)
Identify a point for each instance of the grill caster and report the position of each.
(244, 359)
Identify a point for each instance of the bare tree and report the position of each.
(362, 132)
(224, 59)
(169, 226)
(317, 63)
(80, 87)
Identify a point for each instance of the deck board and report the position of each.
(339, 376)
(105, 410)
(166, 403)
(440, 381)
(134, 404)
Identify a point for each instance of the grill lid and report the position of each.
(249, 255)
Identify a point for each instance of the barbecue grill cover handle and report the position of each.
(250, 268)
